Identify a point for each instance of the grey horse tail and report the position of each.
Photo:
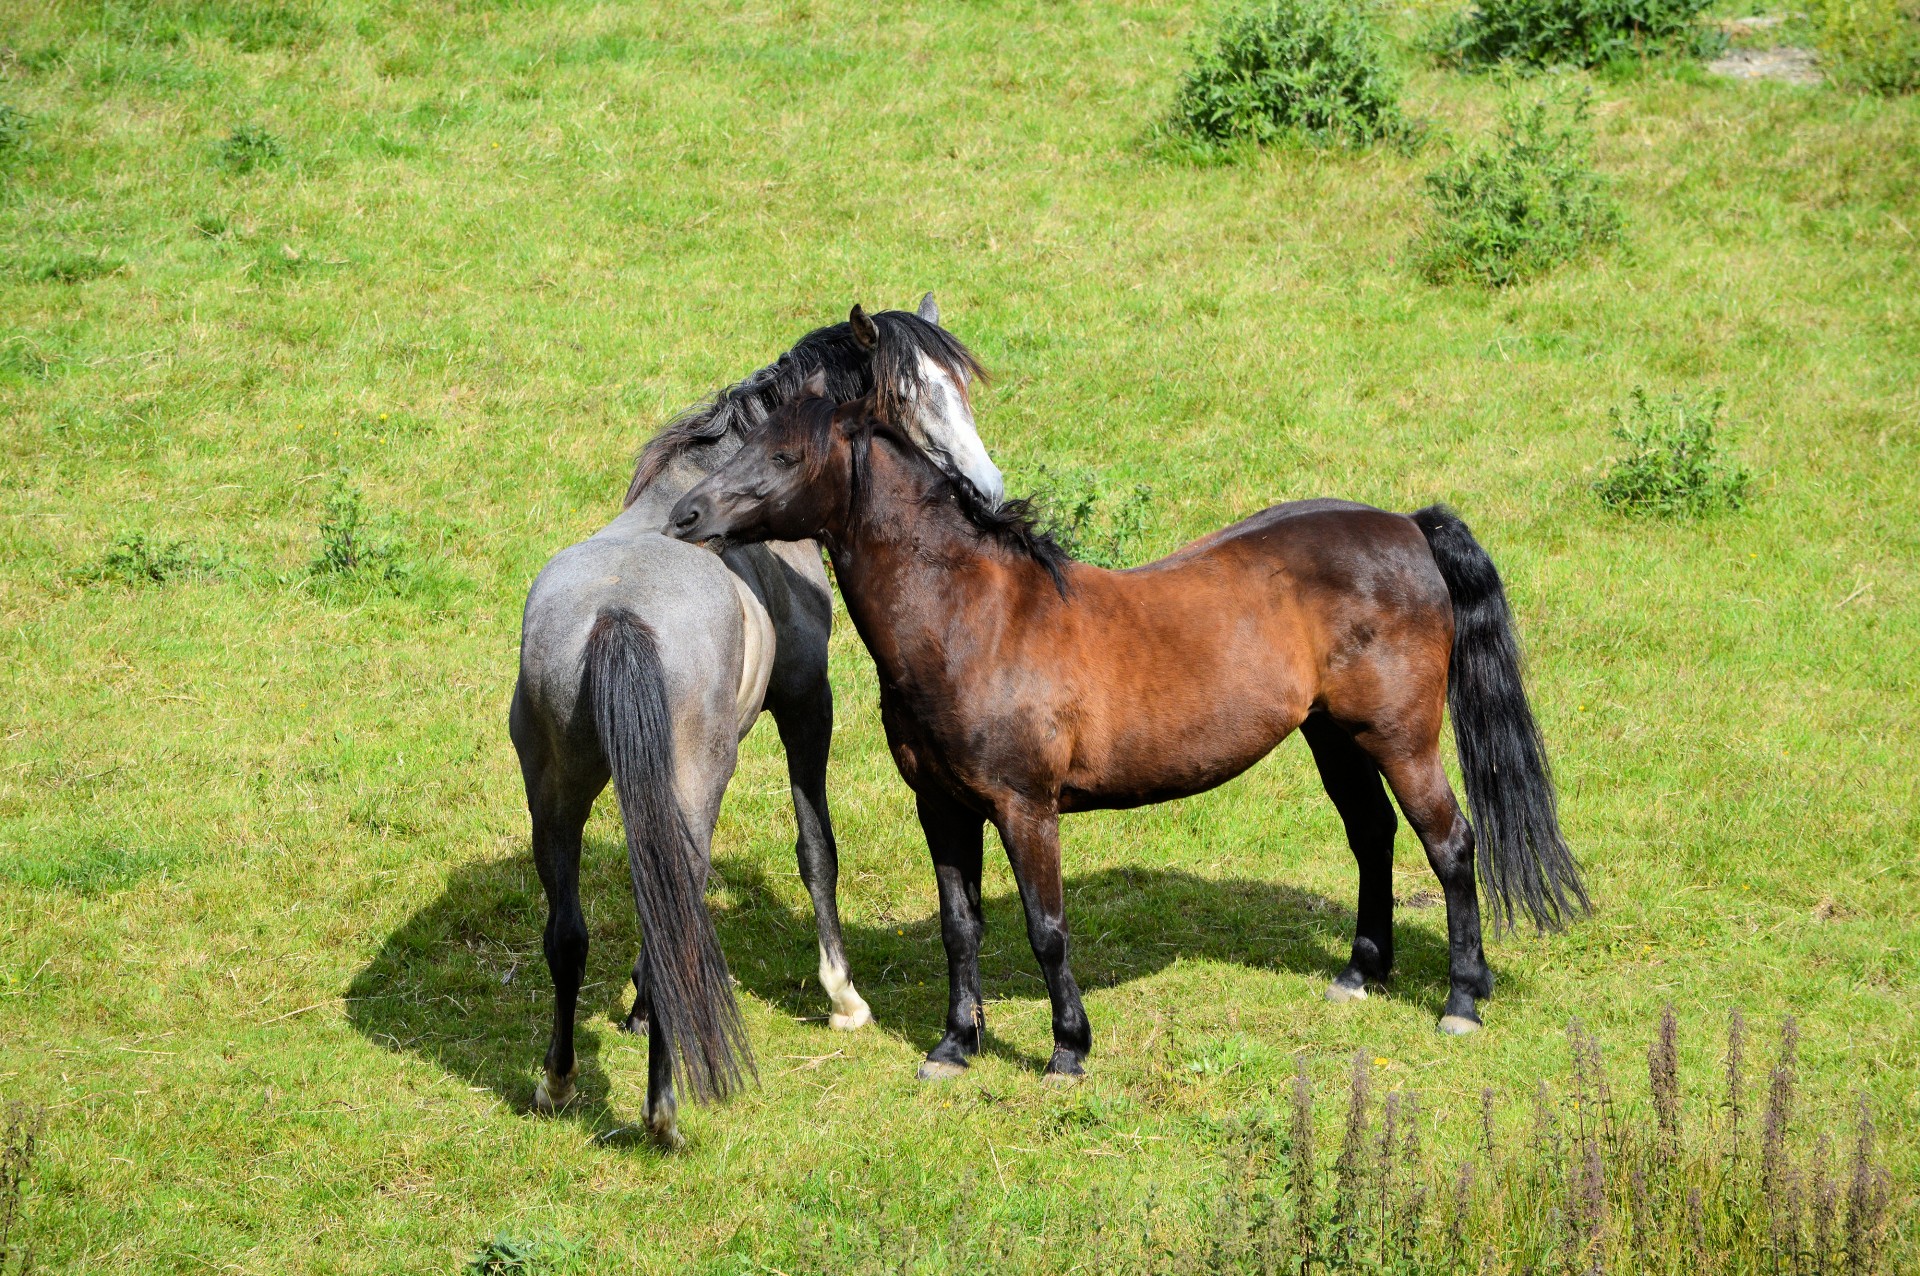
(1523, 856)
(688, 983)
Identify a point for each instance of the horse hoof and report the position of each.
(1458, 1025)
(940, 1070)
(667, 1135)
(634, 1025)
(550, 1095)
(852, 1021)
(1061, 1080)
(1340, 994)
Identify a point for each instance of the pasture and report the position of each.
(269, 933)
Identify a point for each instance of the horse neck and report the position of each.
(908, 566)
(657, 498)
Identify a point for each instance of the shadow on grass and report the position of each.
(463, 981)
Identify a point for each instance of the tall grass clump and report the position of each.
(510, 1255)
(1509, 209)
(1673, 465)
(136, 558)
(1313, 70)
(16, 133)
(1586, 33)
(1598, 1184)
(355, 546)
(1869, 45)
(248, 147)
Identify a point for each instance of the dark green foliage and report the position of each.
(135, 558)
(20, 1141)
(1507, 210)
(354, 546)
(16, 132)
(248, 147)
(1317, 70)
(1673, 465)
(507, 1255)
(1092, 523)
(1542, 33)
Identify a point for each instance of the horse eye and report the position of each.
(785, 458)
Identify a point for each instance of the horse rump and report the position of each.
(688, 984)
(1523, 855)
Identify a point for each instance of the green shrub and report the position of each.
(1673, 465)
(135, 558)
(1090, 522)
(1506, 211)
(247, 148)
(1312, 69)
(16, 132)
(354, 546)
(1544, 33)
(1872, 45)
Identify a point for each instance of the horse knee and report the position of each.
(1452, 856)
(1048, 935)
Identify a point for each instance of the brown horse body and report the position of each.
(1017, 685)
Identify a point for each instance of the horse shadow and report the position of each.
(462, 982)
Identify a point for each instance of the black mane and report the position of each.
(889, 372)
(1013, 525)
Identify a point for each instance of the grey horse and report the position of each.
(646, 660)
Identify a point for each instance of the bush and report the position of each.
(1510, 210)
(247, 148)
(1089, 522)
(1574, 32)
(1312, 69)
(1872, 45)
(1673, 464)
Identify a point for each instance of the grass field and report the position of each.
(269, 937)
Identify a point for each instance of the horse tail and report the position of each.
(1509, 786)
(688, 983)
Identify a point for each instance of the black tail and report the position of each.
(691, 991)
(1509, 787)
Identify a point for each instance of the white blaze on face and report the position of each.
(949, 435)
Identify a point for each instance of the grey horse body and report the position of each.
(730, 636)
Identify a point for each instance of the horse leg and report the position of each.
(1420, 783)
(1032, 835)
(1353, 782)
(663, 1110)
(556, 856)
(954, 840)
(639, 1018)
(806, 731)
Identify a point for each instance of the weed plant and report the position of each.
(1313, 70)
(1586, 33)
(1869, 45)
(1093, 523)
(1595, 1187)
(1673, 465)
(17, 1147)
(16, 132)
(1510, 209)
(355, 546)
(136, 558)
(248, 147)
(510, 1255)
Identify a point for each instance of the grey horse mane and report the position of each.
(890, 371)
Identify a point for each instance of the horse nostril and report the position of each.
(686, 520)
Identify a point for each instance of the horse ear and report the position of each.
(815, 386)
(864, 330)
(929, 309)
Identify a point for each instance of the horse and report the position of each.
(1017, 685)
(646, 661)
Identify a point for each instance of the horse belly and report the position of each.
(1148, 761)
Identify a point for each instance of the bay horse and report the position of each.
(1017, 685)
(646, 661)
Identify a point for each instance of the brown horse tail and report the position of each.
(691, 992)
(1523, 856)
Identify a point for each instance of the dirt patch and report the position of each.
(1786, 63)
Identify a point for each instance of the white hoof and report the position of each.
(553, 1093)
(940, 1070)
(1340, 994)
(850, 1014)
(665, 1128)
(1458, 1025)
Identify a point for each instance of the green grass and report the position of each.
(269, 937)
